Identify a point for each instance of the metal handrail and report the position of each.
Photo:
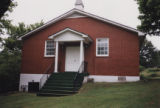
(82, 69)
(46, 75)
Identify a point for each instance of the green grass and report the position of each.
(93, 95)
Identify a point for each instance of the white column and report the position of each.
(81, 52)
(56, 58)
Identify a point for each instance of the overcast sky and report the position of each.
(121, 11)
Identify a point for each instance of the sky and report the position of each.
(121, 11)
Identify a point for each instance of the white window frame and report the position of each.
(104, 55)
(45, 50)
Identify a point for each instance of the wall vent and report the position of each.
(122, 78)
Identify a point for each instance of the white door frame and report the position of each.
(56, 55)
(81, 56)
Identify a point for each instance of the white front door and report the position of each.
(72, 59)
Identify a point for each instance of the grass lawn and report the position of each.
(93, 95)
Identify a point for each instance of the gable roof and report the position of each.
(73, 11)
(85, 36)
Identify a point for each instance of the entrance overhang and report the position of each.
(70, 35)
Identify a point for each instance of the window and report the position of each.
(49, 48)
(102, 47)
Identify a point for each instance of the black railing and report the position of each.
(82, 69)
(46, 75)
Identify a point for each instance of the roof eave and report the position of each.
(84, 13)
(47, 24)
(140, 34)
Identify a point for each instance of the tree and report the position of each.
(149, 56)
(14, 32)
(10, 56)
(4, 6)
(4, 22)
(149, 16)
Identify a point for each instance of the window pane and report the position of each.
(99, 40)
(106, 52)
(106, 44)
(102, 46)
(98, 52)
(99, 48)
(50, 48)
(99, 44)
(102, 52)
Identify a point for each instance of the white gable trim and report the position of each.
(65, 30)
(76, 15)
(84, 36)
(67, 14)
(68, 37)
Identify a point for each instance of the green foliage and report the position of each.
(10, 56)
(149, 56)
(5, 23)
(153, 69)
(6, 5)
(14, 32)
(149, 16)
(21, 29)
(153, 75)
(9, 70)
(150, 73)
(142, 78)
(141, 68)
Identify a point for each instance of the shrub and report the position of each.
(153, 75)
(154, 70)
(141, 68)
(143, 78)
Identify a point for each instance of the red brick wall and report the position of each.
(123, 48)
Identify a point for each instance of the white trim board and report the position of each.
(103, 78)
(73, 11)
